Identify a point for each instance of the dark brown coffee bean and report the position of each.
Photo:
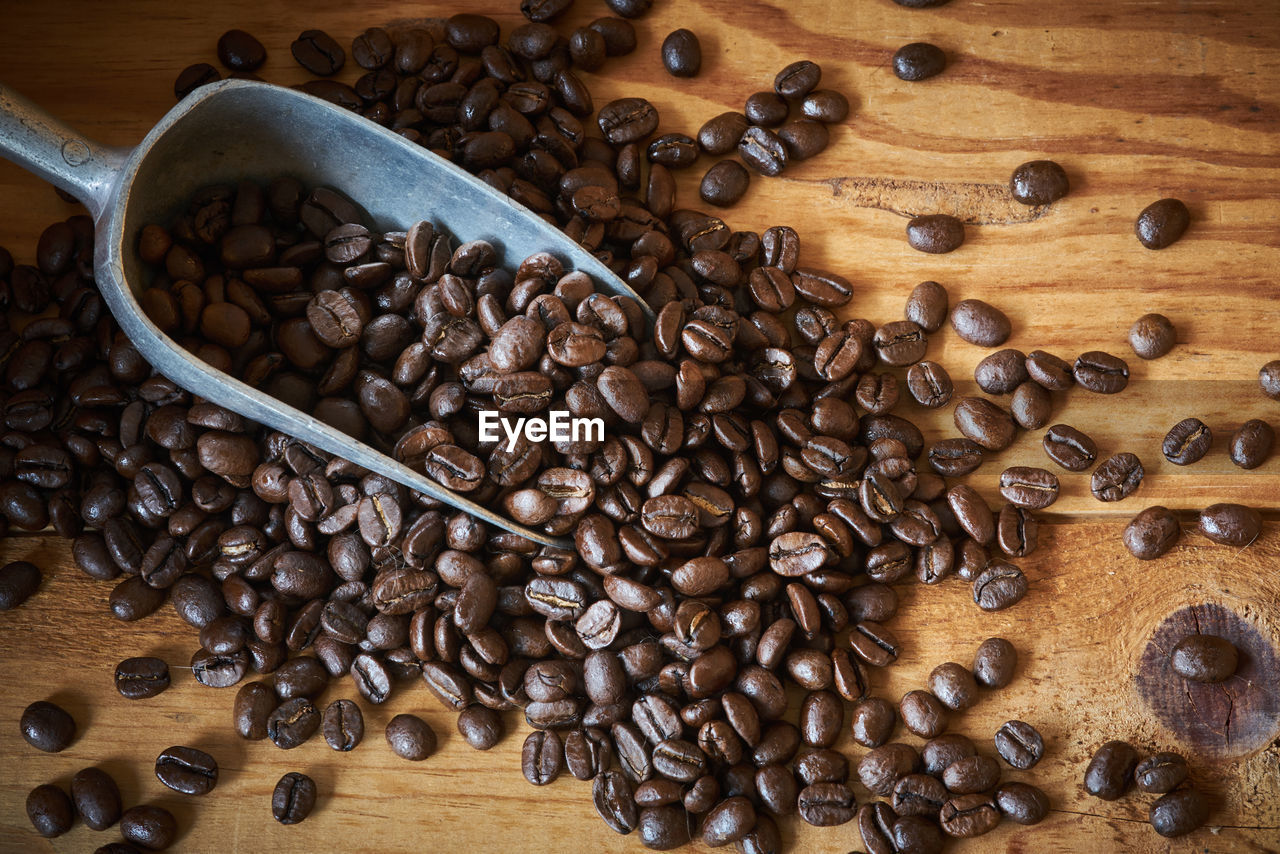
(193, 77)
(293, 798)
(1101, 372)
(874, 644)
(542, 757)
(1110, 771)
(292, 723)
(955, 457)
(725, 184)
(1204, 658)
(1161, 223)
(967, 816)
(881, 768)
(187, 770)
(935, 234)
(918, 61)
(1049, 371)
(980, 323)
(627, 120)
(797, 79)
(971, 774)
(954, 686)
(410, 737)
(985, 423)
(19, 580)
(1116, 478)
(1187, 442)
(999, 586)
(930, 384)
(1251, 445)
(50, 811)
(826, 106)
(1160, 773)
(923, 714)
(682, 53)
(141, 678)
(873, 719)
(763, 150)
(1032, 488)
(721, 135)
(826, 804)
(1038, 182)
(1151, 533)
(343, 725)
(1070, 448)
(1230, 524)
(900, 343)
(150, 827)
(1001, 372)
(1179, 812)
(1022, 803)
(1269, 379)
(1019, 744)
(96, 797)
(317, 52)
(48, 727)
(1152, 336)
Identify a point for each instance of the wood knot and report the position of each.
(1224, 719)
(968, 201)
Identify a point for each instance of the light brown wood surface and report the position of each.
(1137, 100)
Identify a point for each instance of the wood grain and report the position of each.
(1137, 100)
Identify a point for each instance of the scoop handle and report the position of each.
(46, 147)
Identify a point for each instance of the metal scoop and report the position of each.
(237, 129)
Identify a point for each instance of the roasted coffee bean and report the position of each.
(955, 457)
(1230, 524)
(343, 725)
(187, 770)
(1047, 370)
(873, 719)
(725, 184)
(542, 757)
(253, 706)
(1031, 405)
(1033, 488)
(923, 714)
(663, 828)
(999, 586)
(966, 816)
(1152, 336)
(293, 798)
(612, 796)
(193, 77)
(1179, 812)
(627, 120)
(918, 61)
(821, 718)
(1001, 372)
(96, 797)
(1204, 658)
(954, 686)
(1151, 533)
(50, 811)
(47, 727)
(826, 106)
(140, 678)
(881, 768)
(1019, 744)
(900, 343)
(936, 234)
(930, 384)
(720, 135)
(826, 804)
(317, 52)
(1101, 372)
(480, 726)
(994, 663)
(1038, 182)
(797, 79)
(763, 150)
(927, 306)
(292, 723)
(19, 579)
(985, 423)
(1022, 803)
(918, 794)
(971, 774)
(1110, 771)
(1069, 448)
(874, 644)
(1161, 223)
(150, 827)
(980, 323)
(804, 138)
(1187, 442)
(1269, 379)
(941, 752)
(1160, 773)
(1116, 478)
(410, 737)
(681, 53)
(1251, 445)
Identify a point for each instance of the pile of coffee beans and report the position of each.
(736, 529)
(1117, 766)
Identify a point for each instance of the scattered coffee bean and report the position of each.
(1152, 533)
(1269, 379)
(140, 678)
(1152, 336)
(935, 234)
(1251, 445)
(994, 663)
(1116, 477)
(682, 54)
(1230, 524)
(1179, 812)
(343, 725)
(240, 51)
(918, 61)
(293, 798)
(1204, 658)
(1022, 803)
(1033, 488)
(410, 737)
(147, 826)
(1110, 771)
(1160, 773)
(1038, 182)
(1187, 442)
(50, 810)
(19, 580)
(1161, 223)
(1020, 744)
(47, 727)
(1070, 448)
(725, 183)
(980, 323)
(187, 770)
(1101, 372)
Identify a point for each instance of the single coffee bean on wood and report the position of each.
(1038, 182)
(1160, 773)
(1187, 442)
(1020, 744)
(1152, 336)
(1110, 771)
(1204, 658)
(1161, 223)
(935, 234)
(1069, 448)
(682, 53)
(980, 323)
(1230, 524)
(994, 663)
(1179, 812)
(1151, 533)
(18, 581)
(50, 811)
(1269, 379)
(1116, 478)
(47, 726)
(918, 61)
(293, 798)
(187, 770)
(1251, 445)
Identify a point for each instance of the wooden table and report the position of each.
(1137, 100)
